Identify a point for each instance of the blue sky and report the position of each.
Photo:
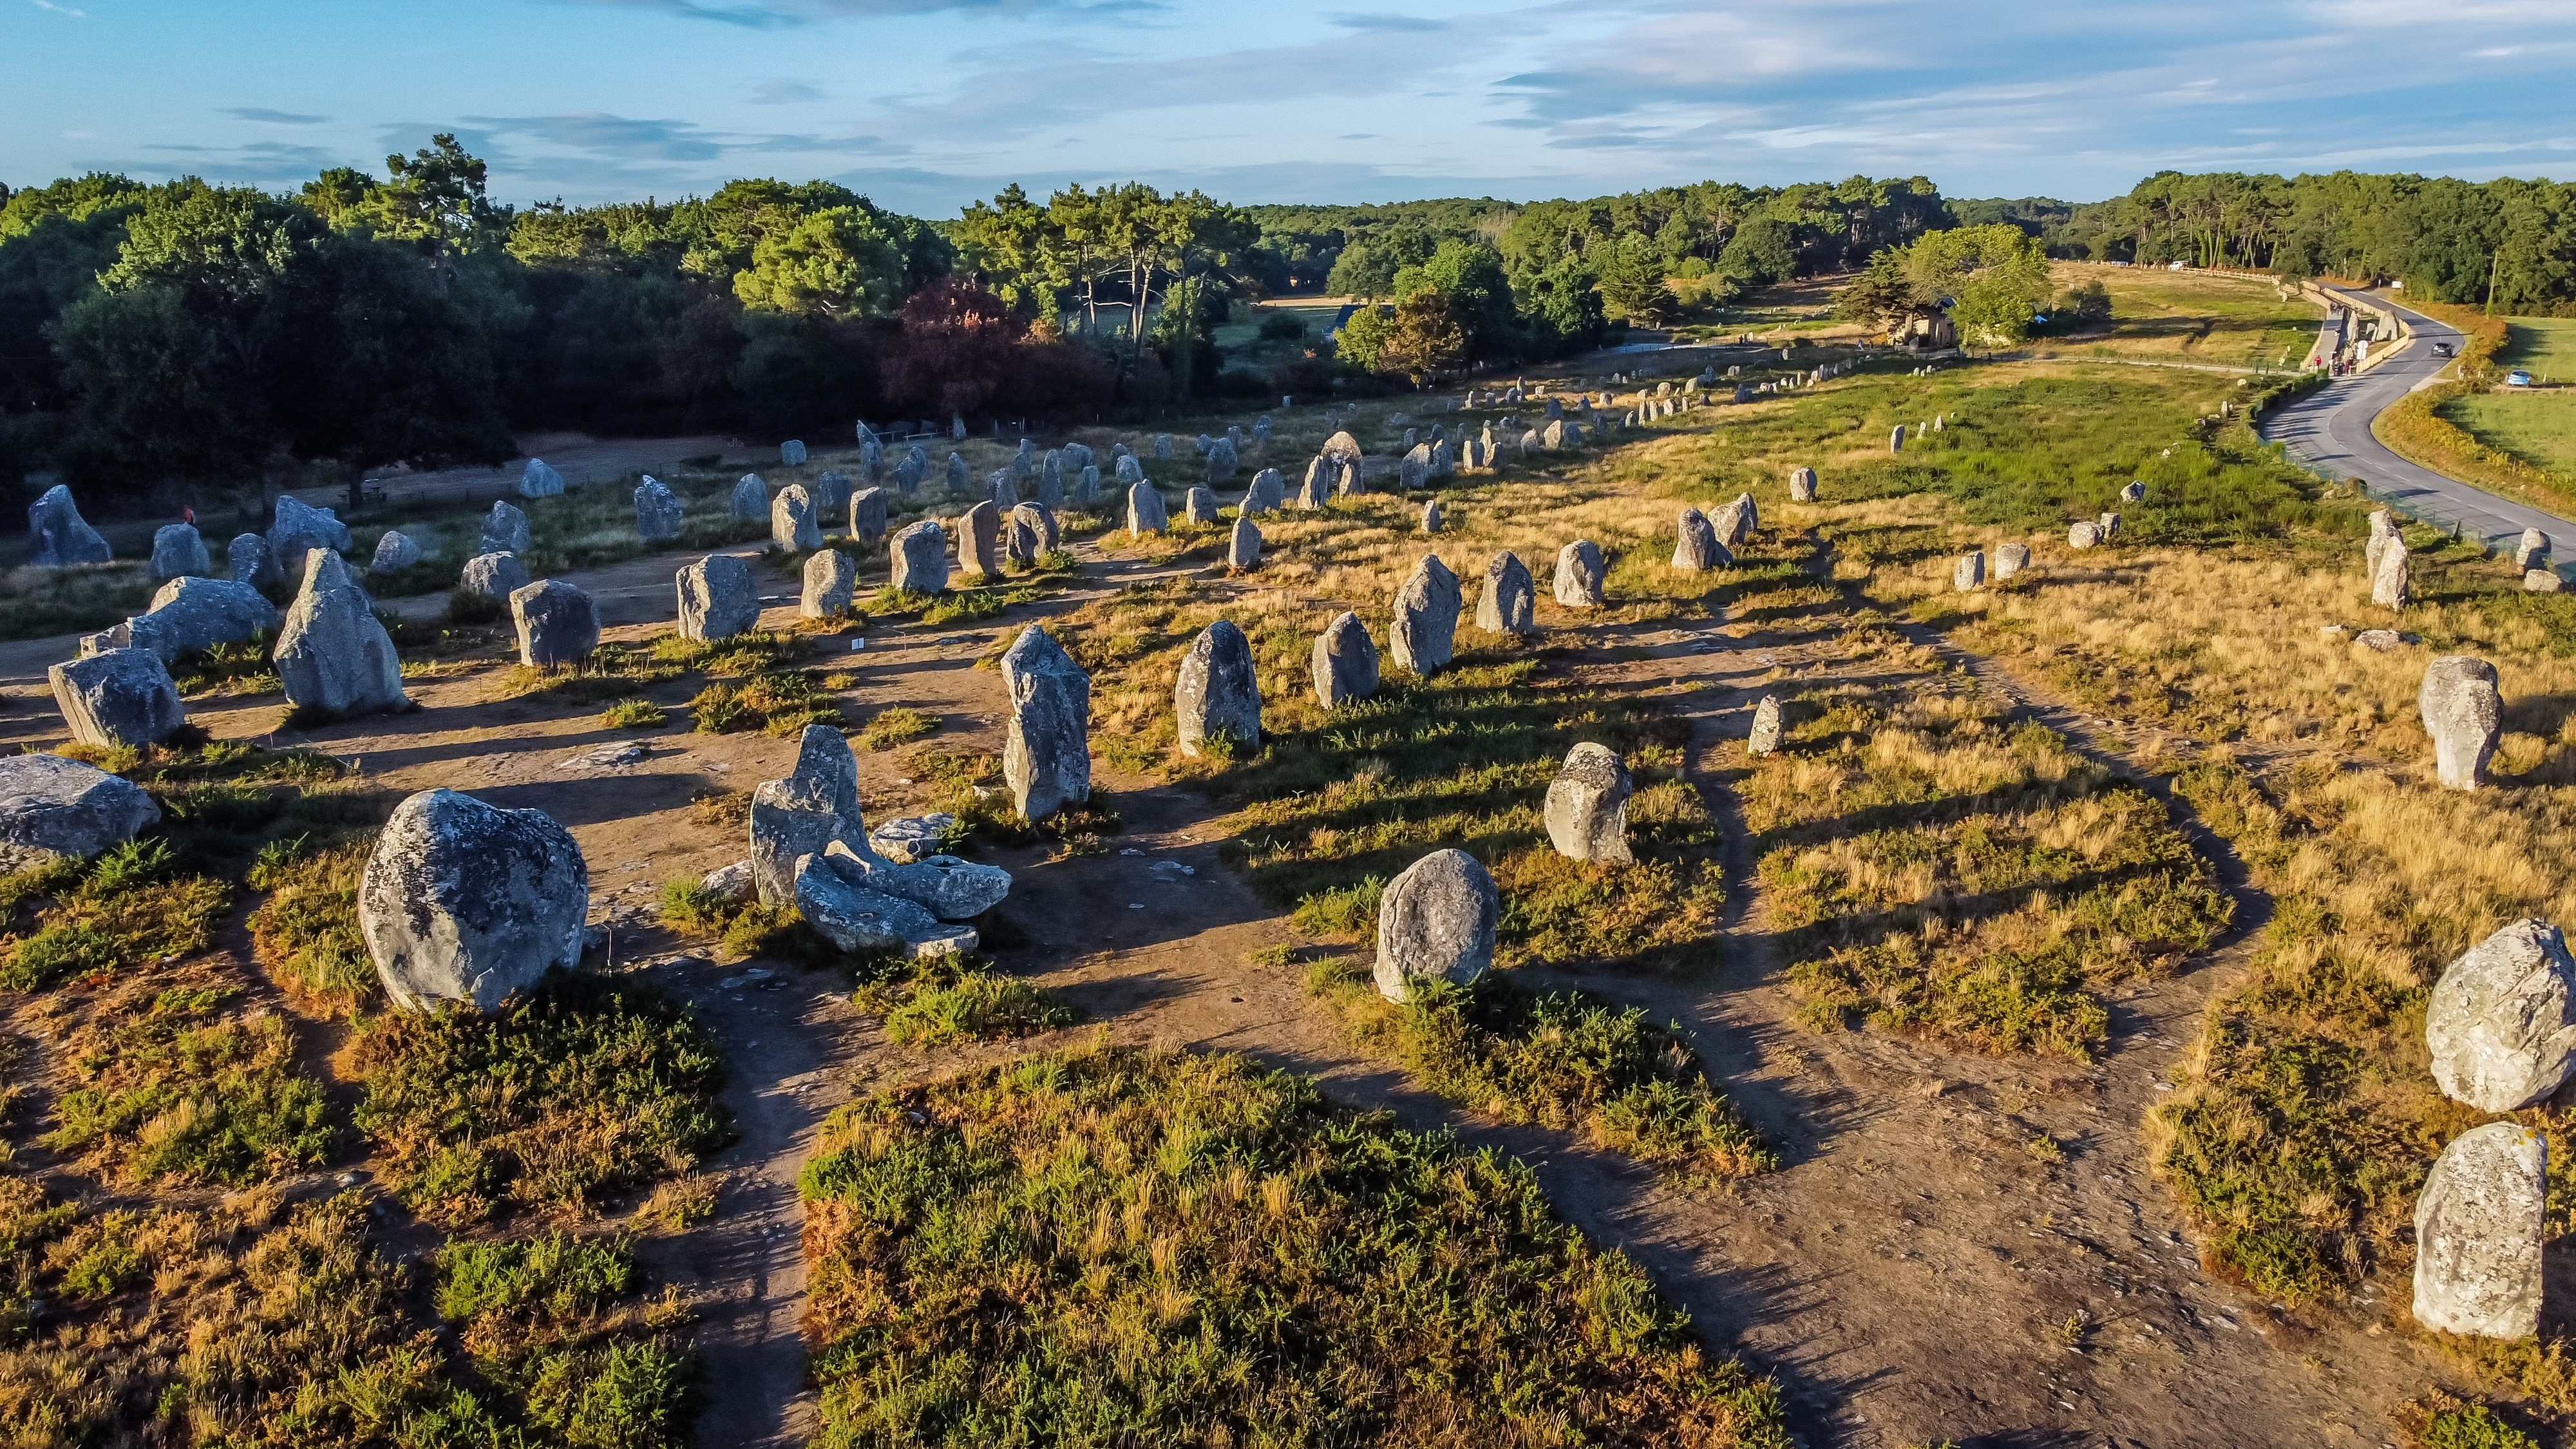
(926, 104)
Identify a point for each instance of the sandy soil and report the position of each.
(1914, 1272)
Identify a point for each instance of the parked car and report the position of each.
(2517, 378)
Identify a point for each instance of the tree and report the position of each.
(435, 199)
(1424, 338)
(1632, 282)
(836, 262)
(1765, 250)
(1362, 341)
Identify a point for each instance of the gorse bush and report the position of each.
(1195, 1252)
(943, 1001)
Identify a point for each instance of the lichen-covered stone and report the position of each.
(750, 497)
(1217, 692)
(2479, 1222)
(1426, 618)
(832, 890)
(394, 551)
(1046, 756)
(1345, 662)
(1587, 805)
(1765, 736)
(118, 697)
(1243, 546)
(1145, 511)
(868, 515)
(920, 557)
(2010, 559)
(557, 623)
(1695, 545)
(831, 580)
(2501, 1026)
(1969, 572)
(504, 529)
(178, 551)
(1579, 570)
(492, 575)
(57, 808)
(658, 511)
(1509, 602)
(465, 903)
(817, 803)
(1437, 922)
(2464, 713)
(57, 535)
(194, 613)
(332, 652)
(297, 528)
(717, 598)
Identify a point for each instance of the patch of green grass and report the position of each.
(944, 1001)
(1566, 1059)
(306, 932)
(132, 905)
(38, 603)
(243, 668)
(2538, 426)
(1195, 1251)
(178, 1097)
(578, 1090)
(632, 714)
(894, 726)
(781, 705)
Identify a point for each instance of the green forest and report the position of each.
(157, 331)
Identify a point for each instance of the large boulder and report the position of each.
(194, 613)
(2502, 1022)
(1317, 489)
(57, 535)
(1199, 505)
(903, 841)
(831, 581)
(1222, 461)
(248, 557)
(1431, 516)
(1413, 470)
(1001, 489)
(717, 598)
(297, 528)
(947, 887)
(960, 477)
(979, 541)
(1217, 692)
(2083, 533)
(1579, 571)
(1267, 491)
(1587, 805)
(749, 499)
(1130, 472)
(2463, 713)
(467, 903)
(118, 697)
(394, 550)
(504, 530)
(178, 551)
(557, 623)
(793, 522)
(1046, 534)
(2390, 587)
(1802, 485)
(492, 576)
(51, 807)
(1695, 548)
(1145, 511)
(1243, 546)
(658, 511)
(868, 515)
(816, 804)
(1342, 445)
(2479, 1221)
(1426, 618)
(333, 654)
(537, 480)
(1345, 662)
(2010, 559)
(1436, 922)
(1509, 603)
(1046, 757)
(832, 891)
(920, 556)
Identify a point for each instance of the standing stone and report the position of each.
(2388, 587)
(658, 511)
(2501, 1026)
(394, 551)
(1431, 516)
(492, 575)
(1765, 738)
(1130, 472)
(2136, 492)
(539, 481)
(868, 515)
(1243, 546)
(1218, 693)
(2526, 555)
(297, 529)
(557, 622)
(1076, 457)
(199, 613)
(2463, 713)
(1222, 461)
(1020, 536)
(979, 541)
(1509, 603)
(1345, 662)
(1579, 570)
(118, 697)
(957, 427)
(1415, 471)
(960, 477)
(55, 808)
(1587, 806)
(1046, 760)
(504, 530)
(1443, 462)
(1024, 459)
(2479, 1221)
(1043, 525)
(717, 598)
(1342, 445)
(2083, 533)
(58, 536)
(248, 557)
(1478, 455)
(815, 805)
(1426, 618)
(1802, 485)
(177, 551)
(1265, 493)
(1970, 572)
(1086, 492)
(1145, 513)
(2542, 581)
(2383, 532)
(792, 453)
(792, 522)
(1696, 549)
(1896, 439)
(1318, 487)
(332, 652)
(831, 496)
(1199, 506)
(2010, 559)
(920, 556)
(1436, 922)
(1162, 445)
(1050, 493)
(468, 904)
(831, 580)
(1000, 490)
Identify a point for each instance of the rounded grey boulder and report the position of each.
(979, 541)
(1587, 806)
(1217, 692)
(194, 613)
(868, 514)
(2464, 714)
(54, 807)
(750, 497)
(1578, 575)
(947, 887)
(118, 697)
(1046, 757)
(2010, 559)
(1199, 505)
(557, 623)
(1509, 603)
(2083, 533)
(1345, 662)
(2502, 1022)
(297, 528)
(2530, 549)
(1802, 485)
(1266, 492)
(921, 559)
(1243, 546)
(333, 654)
(538, 480)
(178, 551)
(492, 575)
(1425, 631)
(1436, 922)
(249, 558)
(717, 600)
(1970, 571)
(831, 579)
(658, 511)
(394, 551)
(833, 891)
(466, 903)
(2479, 1221)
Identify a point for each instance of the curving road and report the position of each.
(2330, 428)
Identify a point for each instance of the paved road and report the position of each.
(2330, 428)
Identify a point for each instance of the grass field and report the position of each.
(2539, 425)
(2197, 317)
